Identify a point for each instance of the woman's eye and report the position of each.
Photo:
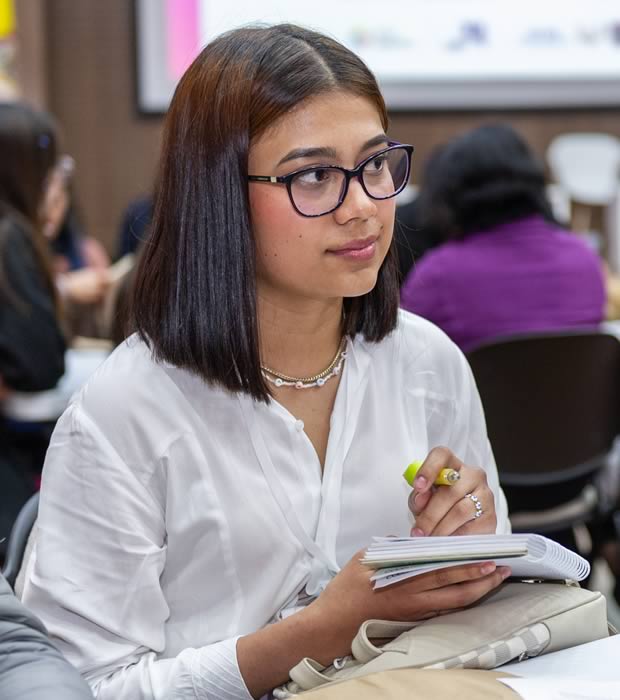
(314, 177)
(376, 164)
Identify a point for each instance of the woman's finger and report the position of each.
(437, 459)
(447, 497)
(476, 507)
(485, 524)
(418, 501)
(449, 576)
(463, 594)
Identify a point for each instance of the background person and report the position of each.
(505, 266)
(32, 345)
(81, 265)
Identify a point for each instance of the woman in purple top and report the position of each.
(506, 266)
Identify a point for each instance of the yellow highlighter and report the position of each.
(446, 477)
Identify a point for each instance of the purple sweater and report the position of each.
(520, 277)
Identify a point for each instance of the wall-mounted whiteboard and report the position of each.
(427, 54)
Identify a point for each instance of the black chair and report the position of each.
(552, 405)
(18, 539)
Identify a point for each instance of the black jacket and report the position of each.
(32, 345)
(32, 350)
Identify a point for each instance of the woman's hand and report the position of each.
(85, 286)
(451, 510)
(349, 599)
(325, 629)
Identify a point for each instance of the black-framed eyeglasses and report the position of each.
(320, 190)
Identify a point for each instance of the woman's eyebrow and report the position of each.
(378, 140)
(328, 151)
(316, 152)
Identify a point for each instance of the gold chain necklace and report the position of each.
(332, 370)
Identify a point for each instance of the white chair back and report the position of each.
(586, 166)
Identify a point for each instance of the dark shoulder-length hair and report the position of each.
(482, 179)
(194, 297)
(28, 152)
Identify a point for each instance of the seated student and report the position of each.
(31, 668)
(226, 464)
(32, 345)
(505, 266)
(81, 265)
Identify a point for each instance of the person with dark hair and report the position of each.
(31, 668)
(81, 264)
(32, 344)
(206, 496)
(505, 265)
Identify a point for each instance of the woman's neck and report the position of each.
(299, 339)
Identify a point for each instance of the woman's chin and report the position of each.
(362, 284)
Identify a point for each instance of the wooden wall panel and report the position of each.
(92, 95)
(91, 91)
(539, 127)
(32, 54)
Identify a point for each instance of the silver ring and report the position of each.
(476, 501)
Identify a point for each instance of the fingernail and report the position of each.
(488, 568)
(416, 532)
(505, 572)
(420, 483)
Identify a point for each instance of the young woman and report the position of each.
(32, 345)
(228, 462)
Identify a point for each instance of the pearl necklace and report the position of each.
(332, 370)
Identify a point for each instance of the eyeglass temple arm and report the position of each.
(263, 178)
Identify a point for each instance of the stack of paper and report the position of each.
(529, 556)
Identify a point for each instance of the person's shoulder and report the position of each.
(16, 238)
(416, 342)
(432, 266)
(575, 247)
(128, 377)
(132, 404)
(418, 357)
(422, 337)
(578, 241)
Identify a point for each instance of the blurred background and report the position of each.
(105, 71)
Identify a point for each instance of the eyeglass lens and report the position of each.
(319, 190)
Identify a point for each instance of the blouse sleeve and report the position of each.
(95, 579)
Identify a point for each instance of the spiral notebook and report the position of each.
(529, 556)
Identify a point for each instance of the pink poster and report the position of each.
(182, 35)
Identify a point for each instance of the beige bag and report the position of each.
(418, 684)
(516, 621)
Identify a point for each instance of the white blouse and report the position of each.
(176, 516)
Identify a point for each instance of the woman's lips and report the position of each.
(363, 249)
